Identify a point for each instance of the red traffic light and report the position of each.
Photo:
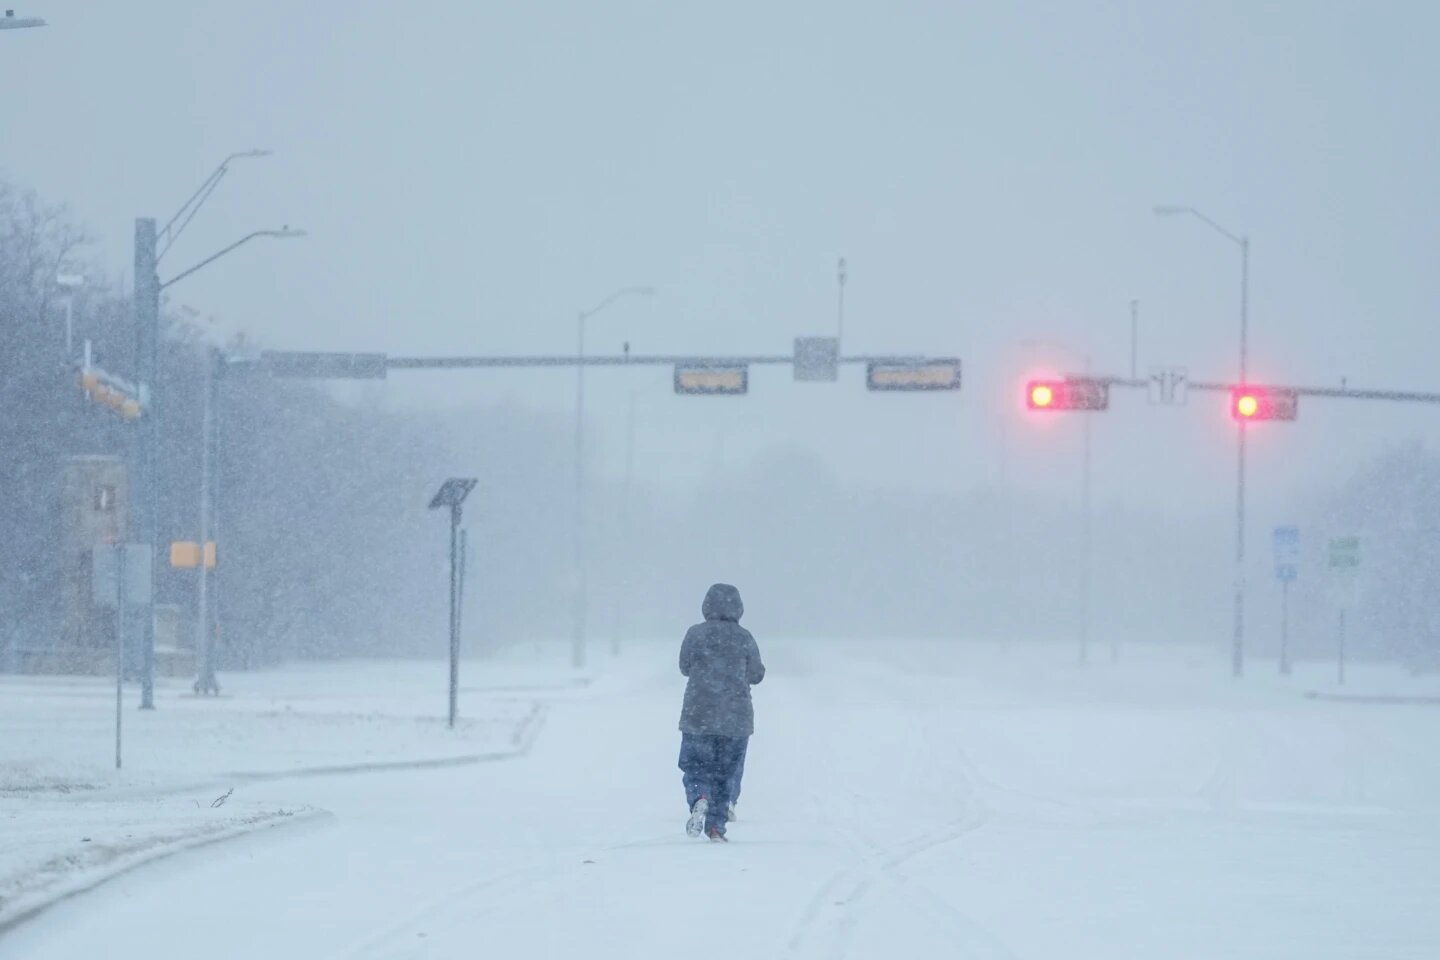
(1263, 403)
(1071, 394)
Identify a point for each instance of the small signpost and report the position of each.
(1345, 567)
(1287, 567)
(120, 579)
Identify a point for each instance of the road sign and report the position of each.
(1287, 553)
(1345, 553)
(817, 358)
(105, 574)
(922, 375)
(185, 554)
(324, 366)
(711, 381)
(1169, 386)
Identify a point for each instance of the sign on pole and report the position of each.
(105, 573)
(1169, 386)
(711, 380)
(817, 358)
(1345, 569)
(1287, 553)
(920, 375)
(185, 554)
(1345, 553)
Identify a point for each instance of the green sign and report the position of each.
(1344, 553)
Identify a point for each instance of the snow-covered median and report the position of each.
(198, 770)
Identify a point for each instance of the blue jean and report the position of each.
(739, 773)
(710, 765)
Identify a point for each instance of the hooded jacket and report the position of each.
(722, 662)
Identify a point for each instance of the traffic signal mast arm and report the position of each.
(1249, 401)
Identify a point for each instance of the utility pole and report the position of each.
(204, 640)
(146, 505)
(1237, 651)
(626, 520)
(1284, 628)
(1086, 564)
(1237, 647)
(840, 277)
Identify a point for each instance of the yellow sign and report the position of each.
(185, 554)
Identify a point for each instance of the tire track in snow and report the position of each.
(828, 923)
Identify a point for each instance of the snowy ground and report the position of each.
(68, 818)
(902, 799)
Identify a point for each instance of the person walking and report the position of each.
(721, 662)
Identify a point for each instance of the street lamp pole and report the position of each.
(145, 482)
(582, 599)
(1237, 647)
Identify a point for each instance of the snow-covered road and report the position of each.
(916, 799)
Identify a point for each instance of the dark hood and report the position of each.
(723, 603)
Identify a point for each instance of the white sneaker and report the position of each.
(730, 814)
(696, 824)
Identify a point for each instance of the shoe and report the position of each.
(696, 824)
(730, 814)
(716, 836)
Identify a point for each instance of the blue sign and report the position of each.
(1287, 553)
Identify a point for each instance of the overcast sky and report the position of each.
(474, 174)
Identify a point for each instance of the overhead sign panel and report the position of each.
(324, 366)
(702, 379)
(817, 359)
(919, 375)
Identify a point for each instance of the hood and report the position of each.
(723, 603)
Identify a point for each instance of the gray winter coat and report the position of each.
(722, 661)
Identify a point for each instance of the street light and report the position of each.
(284, 233)
(170, 232)
(1237, 652)
(144, 517)
(582, 600)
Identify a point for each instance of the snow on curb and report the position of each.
(67, 874)
(521, 741)
(72, 874)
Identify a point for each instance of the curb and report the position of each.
(526, 733)
(522, 741)
(43, 899)
(1395, 700)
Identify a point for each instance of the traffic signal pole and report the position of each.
(146, 505)
(1237, 651)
